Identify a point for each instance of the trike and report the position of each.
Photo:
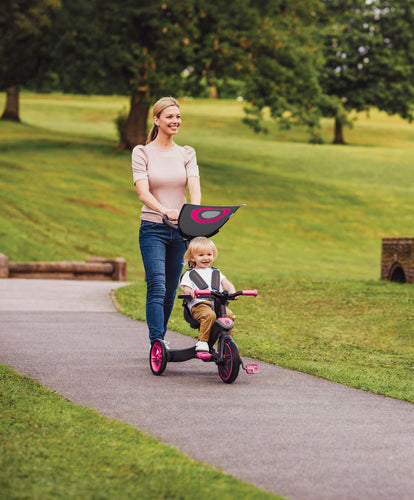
(196, 220)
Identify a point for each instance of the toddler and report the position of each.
(200, 255)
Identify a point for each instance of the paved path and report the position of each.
(290, 433)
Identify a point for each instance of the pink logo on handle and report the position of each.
(209, 214)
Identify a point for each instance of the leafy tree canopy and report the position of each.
(285, 62)
(23, 24)
(300, 60)
(369, 49)
(157, 47)
(104, 46)
(139, 49)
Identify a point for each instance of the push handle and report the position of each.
(170, 224)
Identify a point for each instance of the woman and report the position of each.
(162, 170)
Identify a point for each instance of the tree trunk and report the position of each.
(136, 126)
(339, 135)
(213, 92)
(11, 110)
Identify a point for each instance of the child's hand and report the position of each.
(189, 291)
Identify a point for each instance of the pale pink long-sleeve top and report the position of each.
(167, 172)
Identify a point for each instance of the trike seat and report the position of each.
(189, 317)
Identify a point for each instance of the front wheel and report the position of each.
(229, 368)
(158, 357)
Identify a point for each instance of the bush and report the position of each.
(120, 124)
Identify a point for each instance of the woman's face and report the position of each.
(169, 120)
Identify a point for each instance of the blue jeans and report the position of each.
(162, 251)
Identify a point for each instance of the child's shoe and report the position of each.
(202, 346)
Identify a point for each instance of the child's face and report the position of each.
(203, 258)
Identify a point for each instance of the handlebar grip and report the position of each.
(170, 224)
(202, 292)
(253, 293)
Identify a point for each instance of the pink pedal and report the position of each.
(252, 368)
(203, 355)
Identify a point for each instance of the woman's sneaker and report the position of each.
(201, 346)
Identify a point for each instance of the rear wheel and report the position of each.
(158, 357)
(229, 369)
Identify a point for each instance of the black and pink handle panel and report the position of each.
(204, 220)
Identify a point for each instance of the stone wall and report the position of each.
(397, 260)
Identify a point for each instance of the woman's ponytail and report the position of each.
(153, 134)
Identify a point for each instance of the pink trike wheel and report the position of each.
(158, 357)
(229, 369)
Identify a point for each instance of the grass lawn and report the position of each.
(309, 238)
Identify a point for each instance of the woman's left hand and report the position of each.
(172, 214)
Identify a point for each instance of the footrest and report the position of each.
(203, 355)
(252, 368)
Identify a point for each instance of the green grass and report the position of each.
(50, 448)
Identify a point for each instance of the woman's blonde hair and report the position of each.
(158, 108)
(197, 245)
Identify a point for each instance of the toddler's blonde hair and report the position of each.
(197, 245)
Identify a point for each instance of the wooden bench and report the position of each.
(95, 268)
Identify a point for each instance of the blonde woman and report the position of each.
(162, 171)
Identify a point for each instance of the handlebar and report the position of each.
(211, 293)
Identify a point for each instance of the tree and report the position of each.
(284, 60)
(23, 24)
(369, 50)
(160, 47)
(149, 49)
(220, 44)
(135, 48)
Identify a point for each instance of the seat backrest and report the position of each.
(189, 318)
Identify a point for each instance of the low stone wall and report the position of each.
(95, 268)
(397, 259)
